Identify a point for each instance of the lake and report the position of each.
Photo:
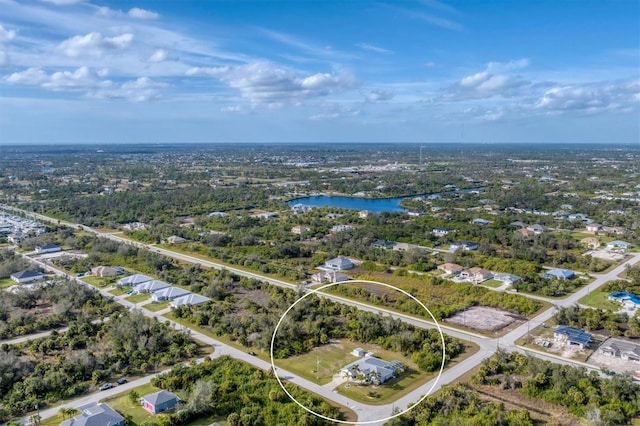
(378, 205)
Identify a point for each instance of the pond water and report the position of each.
(378, 205)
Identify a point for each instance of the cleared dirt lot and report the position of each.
(484, 318)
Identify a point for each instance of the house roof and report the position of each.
(171, 292)
(134, 279)
(160, 397)
(476, 270)
(95, 415)
(450, 267)
(189, 299)
(506, 277)
(340, 262)
(619, 243)
(622, 345)
(560, 273)
(370, 364)
(47, 246)
(26, 274)
(152, 286)
(573, 334)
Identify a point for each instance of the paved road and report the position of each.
(367, 413)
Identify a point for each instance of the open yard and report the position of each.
(99, 281)
(599, 299)
(137, 298)
(155, 307)
(6, 282)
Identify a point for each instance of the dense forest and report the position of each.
(67, 364)
(606, 401)
(246, 311)
(245, 395)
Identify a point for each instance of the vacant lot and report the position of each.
(484, 319)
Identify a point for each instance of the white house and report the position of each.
(133, 280)
(342, 228)
(48, 248)
(619, 348)
(618, 245)
(476, 274)
(572, 336)
(188, 299)
(371, 368)
(450, 268)
(27, 276)
(168, 293)
(509, 279)
(299, 229)
(441, 232)
(151, 286)
(329, 277)
(339, 264)
(464, 245)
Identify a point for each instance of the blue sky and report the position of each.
(74, 71)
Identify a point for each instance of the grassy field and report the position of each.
(6, 282)
(98, 281)
(598, 299)
(155, 307)
(137, 298)
(119, 291)
(492, 283)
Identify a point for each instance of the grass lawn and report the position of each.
(98, 281)
(155, 307)
(137, 298)
(119, 291)
(7, 282)
(492, 283)
(598, 299)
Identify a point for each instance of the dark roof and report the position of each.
(48, 246)
(574, 334)
(160, 397)
(27, 274)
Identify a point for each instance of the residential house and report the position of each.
(572, 336)
(359, 352)
(526, 233)
(590, 242)
(628, 300)
(441, 232)
(619, 348)
(341, 228)
(376, 369)
(537, 228)
(95, 414)
(329, 277)
(339, 264)
(133, 280)
(105, 271)
(175, 239)
(363, 214)
(561, 274)
(300, 208)
(618, 245)
(27, 276)
(594, 228)
(464, 245)
(16, 238)
(450, 268)
(160, 401)
(48, 248)
(508, 279)
(518, 224)
(168, 293)
(150, 286)
(299, 230)
(217, 214)
(383, 244)
(578, 216)
(265, 215)
(480, 221)
(617, 230)
(476, 275)
(406, 247)
(188, 299)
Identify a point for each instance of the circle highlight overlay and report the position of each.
(435, 381)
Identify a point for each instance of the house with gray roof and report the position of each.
(27, 276)
(133, 280)
(339, 264)
(150, 286)
(48, 248)
(168, 293)
(372, 368)
(619, 348)
(188, 299)
(160, 401)
(95, 414)
(506, 278)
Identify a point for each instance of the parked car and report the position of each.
(105, 386)
(252, 353)
(122, 381)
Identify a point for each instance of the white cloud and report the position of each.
(265, 82)
(94, 44)
(379, 96)
(4, 59)
(80, 79)
(372, 48)
(63, 2)
(159, 55)
(138, 13)
(493, 81)
(142, 89)
(592, 97)
(6, 35)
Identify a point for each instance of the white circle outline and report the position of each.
(313, 291)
